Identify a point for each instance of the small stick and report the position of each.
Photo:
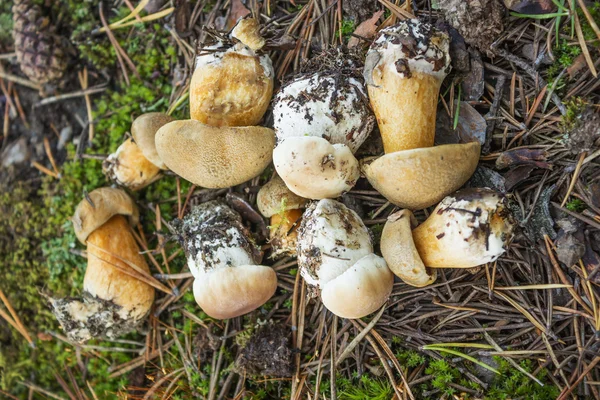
(15, 317)
(50, 156)
(18, 80)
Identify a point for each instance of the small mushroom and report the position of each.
(314, 168)
(129, 167)
(228, 282)
(113, 302)
(231, 86)
(332, 106)
(469, 228)
(284, 208)
(143, 130)
(247, 31)
(399, 251)
(404, 69)
(214, 157)
(335, 256)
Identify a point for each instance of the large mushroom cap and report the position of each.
(275, 197)
(230, 292)
(399, 251)
(231, 87)
(129, 167)
(98, 207)
(143, 130)
(420, 178)
(360, 290)
(334, 107)
(471, 227)
(314, 168)
(214, 157)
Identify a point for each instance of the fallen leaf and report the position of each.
(471, 126)
(238, 11)
(577, 65)
(529, 6)
(516, 157)
(484, 177)
(517, 175)
(569, 247)
(591, 261)
(473, 82)
(366, 29)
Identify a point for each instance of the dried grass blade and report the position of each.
(523, 311)
(584, 48)
(463, 355)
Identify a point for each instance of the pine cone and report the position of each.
(39, 50)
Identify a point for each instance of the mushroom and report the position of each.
(332, 106)
(129, 167)
(247, 31)
(136, 164)
(314, 168)
(469, 228)
(113, 302)
(143, 130)
(284, 208)
(400, 253)
(335, 256)
(231, 86)
(228, 282)
(214, 157)
(404, 69)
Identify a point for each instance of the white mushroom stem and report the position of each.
(335, 256)
(228, 283)
(469, 228)
(313, 168)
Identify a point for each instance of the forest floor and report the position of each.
(524, 83)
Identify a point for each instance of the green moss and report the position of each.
(365, 388)
(576, 205)
(575, 106)
(348, 27)
(513, 384)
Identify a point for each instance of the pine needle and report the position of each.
(463, 355)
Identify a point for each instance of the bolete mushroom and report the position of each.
(231, 86)
(314, 168)
(284, 208)
(136, 164)
(335, 256)
(404, 69)
(469, 228)
(228, 282)
(214, 157)
(247, 31)
(113, 302)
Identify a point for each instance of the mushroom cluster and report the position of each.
(469, 228)
(321, 119)
(114, 301)
(404, 70)
(224, 262)
(336, 259)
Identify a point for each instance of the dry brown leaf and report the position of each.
(366, 29)
(238, 11)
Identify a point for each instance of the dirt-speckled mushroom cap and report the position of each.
(230, 292)
(313, 168)
(143, 130)
(399, 251)
(129, 167)
(419, 178)
(275, 197)
(468, 228)
(360, 290)
(231, 87)
(98, 207)
(215, 157)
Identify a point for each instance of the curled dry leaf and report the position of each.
(366, 29)
(523, 156)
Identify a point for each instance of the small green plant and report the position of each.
(366, 388)
(576, 205)
(347, 29)
(512, 384)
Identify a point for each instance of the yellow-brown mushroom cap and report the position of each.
(275, 197)
(215, 157)
(419, 178)
(233, 291)
(98, 207)
(129, 167)
(143, 130)
(399, 251)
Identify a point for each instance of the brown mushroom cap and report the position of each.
(233, 291)
(420, 178)
(143, 130)
(399, 251)
(129, 167)
(215, 157)
(275, 197)
(231, 88)
(98, 207)
(247, 31)
(113, 244)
